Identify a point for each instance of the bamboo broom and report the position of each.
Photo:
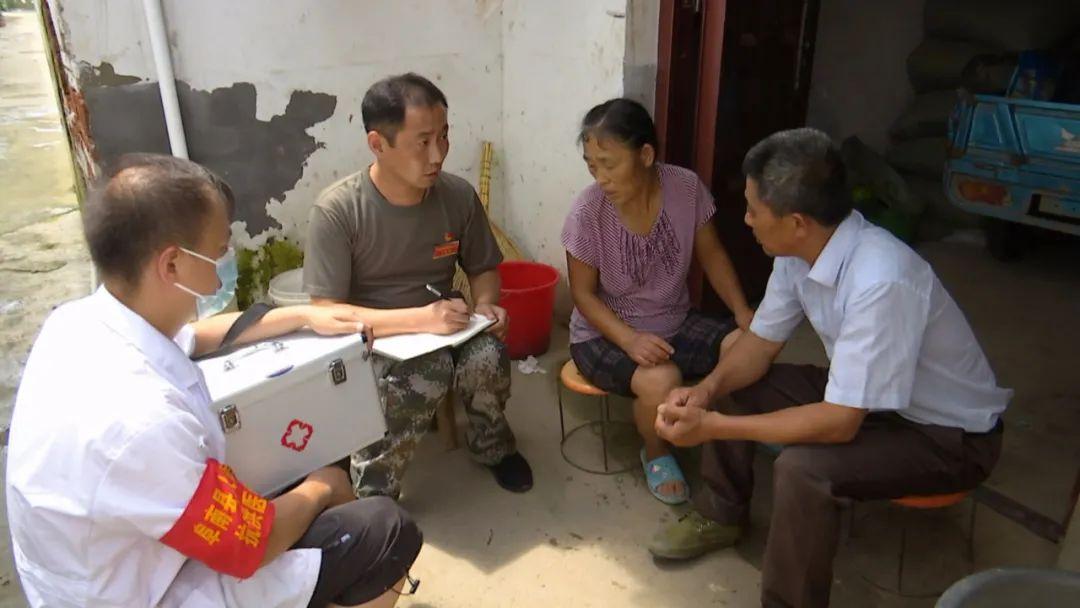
(509, 250)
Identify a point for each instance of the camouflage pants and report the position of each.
(479, 373)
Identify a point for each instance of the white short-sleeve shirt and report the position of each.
(896, 340)
(110, 436)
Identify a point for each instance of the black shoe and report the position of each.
(513, 473)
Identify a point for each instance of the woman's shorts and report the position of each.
(697, 351)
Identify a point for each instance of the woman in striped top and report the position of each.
(629, 239)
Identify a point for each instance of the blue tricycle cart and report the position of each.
(1016, 158)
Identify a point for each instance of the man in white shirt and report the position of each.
(908, 406)
(116, 489)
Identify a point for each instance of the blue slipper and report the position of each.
(663, 470)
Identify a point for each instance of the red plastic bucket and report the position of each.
(528, 295)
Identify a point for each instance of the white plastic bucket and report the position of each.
(287, 289)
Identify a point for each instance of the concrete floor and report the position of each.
(32, 141)
(43, 260)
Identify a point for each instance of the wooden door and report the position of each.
(753, 64)
(677, 80)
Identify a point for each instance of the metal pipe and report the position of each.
(159, 42)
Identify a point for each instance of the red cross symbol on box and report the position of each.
(297, 435)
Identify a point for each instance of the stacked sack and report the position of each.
(970, 45)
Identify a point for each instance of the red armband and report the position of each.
(225, 525)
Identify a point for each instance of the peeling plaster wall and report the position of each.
(272, 97)
(560, 57)
(278, 91)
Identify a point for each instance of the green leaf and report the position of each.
(258, 266)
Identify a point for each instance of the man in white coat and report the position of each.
(116, 491)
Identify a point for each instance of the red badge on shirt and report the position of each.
(446, 250)
(225, 525)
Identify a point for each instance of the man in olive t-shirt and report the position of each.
(376, 240)
(394, 251)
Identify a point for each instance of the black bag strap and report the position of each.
(249, 317)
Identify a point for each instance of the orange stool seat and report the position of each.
(928, 502)
(934, 501)
(571, 379)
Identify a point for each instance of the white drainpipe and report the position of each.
(174, 124)
(159, 41)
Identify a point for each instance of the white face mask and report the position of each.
(227, 273)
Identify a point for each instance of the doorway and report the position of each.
(730, 73)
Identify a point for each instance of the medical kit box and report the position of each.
(293, 404)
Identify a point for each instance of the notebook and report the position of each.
(407, 346)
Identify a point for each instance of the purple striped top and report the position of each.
(642, 278)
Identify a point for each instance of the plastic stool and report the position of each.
(935, 501)
(571, 378)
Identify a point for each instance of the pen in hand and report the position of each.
(456, 307)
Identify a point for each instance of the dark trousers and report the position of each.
(890, 457)
(367, 545)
